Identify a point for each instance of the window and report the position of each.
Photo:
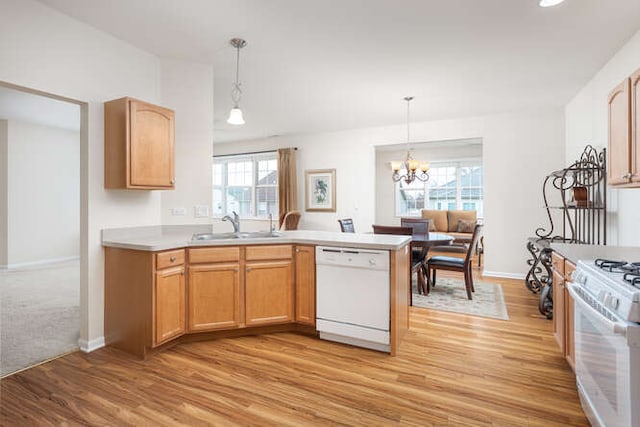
(246, 184)
(451, 186)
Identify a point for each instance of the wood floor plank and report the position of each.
(452, 370)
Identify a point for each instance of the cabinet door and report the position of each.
(168, 305)
(306, 285)
(635, 125)
(558, 309)
(214, 297)
(268, 292)
(151, 145)
(619, 152)
(569, 333)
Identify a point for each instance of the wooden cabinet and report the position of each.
(305, 260)
(269, 285)
(139, 145)
(624, 133)
(214, 297)
(563, 307)
(233, 287)
(214, 292)
(634, 83)
(168, 305)
(150, 301)
(569, 349)
(144, 298)
(558, 309)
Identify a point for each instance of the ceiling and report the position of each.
(325, 65)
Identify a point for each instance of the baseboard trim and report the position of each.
(516, 276)
(89, 346)
(39, 264)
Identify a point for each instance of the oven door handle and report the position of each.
(617, 328)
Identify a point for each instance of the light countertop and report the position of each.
(574, 252)
(160, 238)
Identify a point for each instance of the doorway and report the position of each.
(39, 228)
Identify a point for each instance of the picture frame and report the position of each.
(320, 189)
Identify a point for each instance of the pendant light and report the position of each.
(549, 3)
(235, 115)
(410, 165)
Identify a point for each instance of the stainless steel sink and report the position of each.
(238, 235)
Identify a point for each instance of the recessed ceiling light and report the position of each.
(549, 3)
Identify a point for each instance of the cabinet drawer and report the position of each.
(255, 253)
(169, 259)
(219, 254)
(569, 268)
(557, 261)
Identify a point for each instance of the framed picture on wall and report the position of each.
(320, 190)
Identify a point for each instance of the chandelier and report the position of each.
(409, 166)
(235, 115)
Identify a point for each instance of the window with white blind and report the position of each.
(451, 186)
(246, 184)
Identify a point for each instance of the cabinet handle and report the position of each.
(236, 269)
(172, 259)
(173, 181)
(297, 250)
(248, 269)
(626, 176)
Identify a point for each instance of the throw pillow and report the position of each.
(465, 226)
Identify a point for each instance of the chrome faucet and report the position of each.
(271, 228)
(235, 221)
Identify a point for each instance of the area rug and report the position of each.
(450, 295)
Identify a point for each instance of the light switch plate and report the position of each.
(201, 211)
(178, 211)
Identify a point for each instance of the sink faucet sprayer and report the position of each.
(235, 221)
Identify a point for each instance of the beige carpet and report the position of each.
(450, 295)
(39, 315)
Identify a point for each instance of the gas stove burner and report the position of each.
(632, 267)
(632, 278)
(609, 265)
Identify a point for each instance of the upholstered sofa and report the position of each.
(459, 224)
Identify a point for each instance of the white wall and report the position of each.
(43, 193)
(187, 88)
(47, 51)
(518, 151)
(4, 231)
(587, 123)
(385, 187)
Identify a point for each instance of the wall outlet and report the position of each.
(201, 211)
(178, 211)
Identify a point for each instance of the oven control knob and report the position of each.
(579, 277)
(372, 261)
(611, 301)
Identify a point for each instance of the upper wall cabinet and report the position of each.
(624, 135)
(139, 145)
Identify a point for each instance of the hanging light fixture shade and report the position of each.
(414, 169)
(235, 115)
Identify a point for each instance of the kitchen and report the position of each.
(547, 136)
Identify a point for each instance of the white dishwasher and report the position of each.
(352, 296)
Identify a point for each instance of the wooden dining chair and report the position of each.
(346, 225)
(462, 265)
(291, 220)
(417, 260)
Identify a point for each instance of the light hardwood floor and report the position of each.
(451, 370)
